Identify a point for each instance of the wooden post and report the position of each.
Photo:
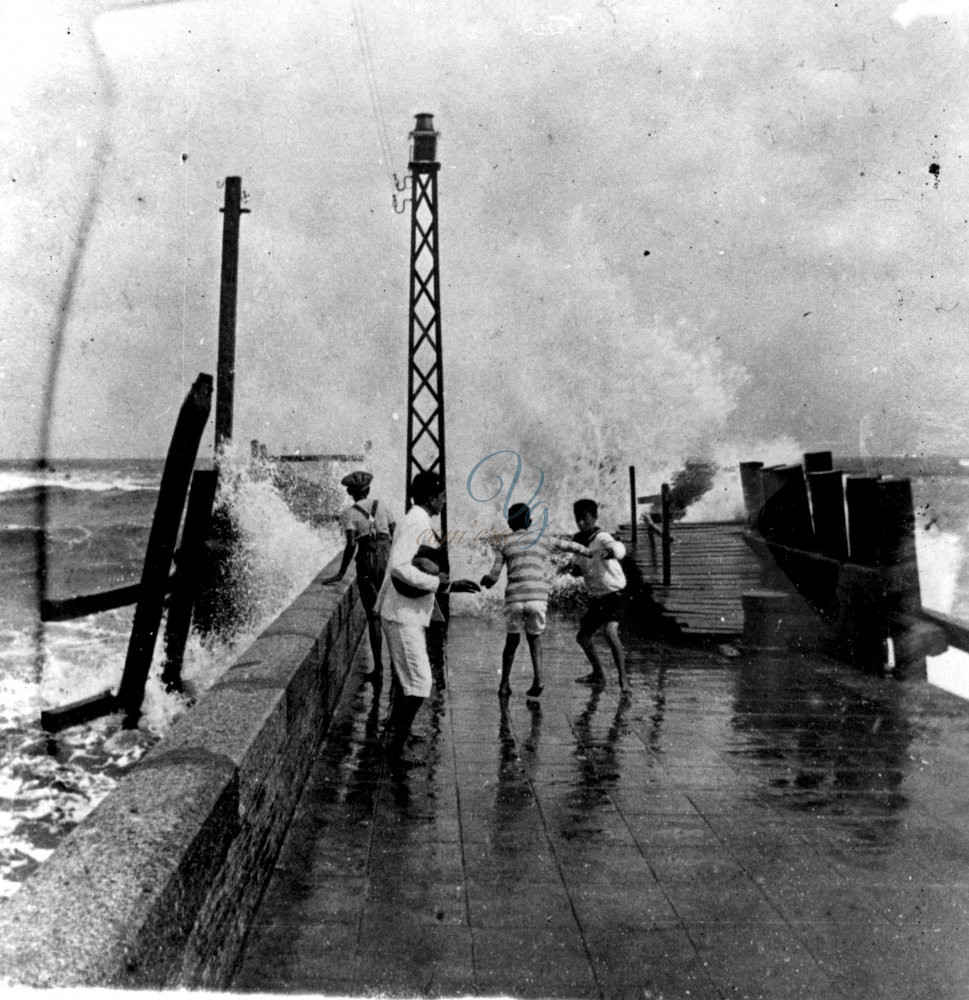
(818, 461)
(750, 484)
(187, 575)
(667, 538)
(633, 506)
(786, 517)
(828, 507)
(862, 526)
(161, 546)
(227, 309)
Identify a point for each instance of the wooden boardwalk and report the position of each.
(711, 566)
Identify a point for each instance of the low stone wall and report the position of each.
(157, 887)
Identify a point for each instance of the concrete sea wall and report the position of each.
(157, 886)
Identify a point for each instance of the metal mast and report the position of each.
(425, 370)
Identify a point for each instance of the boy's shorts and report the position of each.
(602, 610)
(527, 614)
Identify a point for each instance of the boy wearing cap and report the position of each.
(526, 592)
(369, 528)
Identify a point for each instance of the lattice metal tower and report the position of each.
(425, 370)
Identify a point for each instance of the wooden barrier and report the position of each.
(67, 608)
(785, 517)
(156, 584)
(828, 512)
(633, 507)
(666, 538)
(161, 545)
(53, 720)
(753, 490)
(862, 530)
(191, 553)
(846, 545)
(818, 461)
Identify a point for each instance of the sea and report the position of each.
(87, 522)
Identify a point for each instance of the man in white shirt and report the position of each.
(405, 605)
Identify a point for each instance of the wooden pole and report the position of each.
(818, 461)
(161, 546)
(187, 575)
(862, 523)
(227, 310)
(633, 506)
(828, 511)
(667, 538)
(753, 490)
(786, 517)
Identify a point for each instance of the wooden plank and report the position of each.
(66, 608)
(711, 566)
(172, 491)
(52, 720)
(190, 570)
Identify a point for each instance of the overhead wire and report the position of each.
(373, 89)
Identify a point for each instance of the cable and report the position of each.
(366, 54)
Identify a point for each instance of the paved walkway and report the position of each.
(772, 827)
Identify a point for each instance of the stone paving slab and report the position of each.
(760, 827)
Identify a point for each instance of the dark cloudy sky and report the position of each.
(807, 265)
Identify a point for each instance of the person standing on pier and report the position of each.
(405, 605)
(604, 581)
(369, 528)
(526, 592)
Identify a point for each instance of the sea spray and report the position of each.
(48, 784)
(724, 500)
(277, 554)
(942, 568)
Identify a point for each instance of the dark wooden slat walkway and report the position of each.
(711, 566)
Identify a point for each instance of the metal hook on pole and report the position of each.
(401, 185)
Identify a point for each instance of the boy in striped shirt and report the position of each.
(526, 594)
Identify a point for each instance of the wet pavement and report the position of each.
(753, 827)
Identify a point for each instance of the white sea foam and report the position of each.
(45, 795)
(941, 559)
(12, 481)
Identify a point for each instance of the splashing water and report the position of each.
(724, 501)
(48, 784)
(942, 565)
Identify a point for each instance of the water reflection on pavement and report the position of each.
(774, 827)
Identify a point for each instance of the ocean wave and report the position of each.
(113, 537)
(65, 511)
(33, 482)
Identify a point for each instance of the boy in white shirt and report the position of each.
(604, 581)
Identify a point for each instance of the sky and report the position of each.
(666, 229)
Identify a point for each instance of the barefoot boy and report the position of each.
(526, 594)
(604, 581)
(369, 530)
